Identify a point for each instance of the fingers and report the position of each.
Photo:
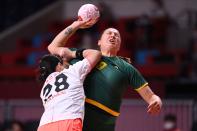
(154, 108)
(154, 111)
(88, 20)
(84, 23)
(79, 18)
(152, 105)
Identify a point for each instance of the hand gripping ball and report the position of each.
(89, 12)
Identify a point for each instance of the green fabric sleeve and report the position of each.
(136, 80)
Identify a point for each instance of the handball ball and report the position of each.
(89, 11)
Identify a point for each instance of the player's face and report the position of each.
(65, 64)
(110, 40)
(59, 67)
(62, 66)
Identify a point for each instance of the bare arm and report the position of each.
(57, 45)
(153, 100)
(93, 56)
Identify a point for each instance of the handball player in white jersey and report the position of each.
(62, 93)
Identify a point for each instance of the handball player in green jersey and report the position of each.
(105, 85)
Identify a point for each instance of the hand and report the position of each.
(84, 23)
(67, 54)
(154, 107)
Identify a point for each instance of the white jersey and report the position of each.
(63, 94)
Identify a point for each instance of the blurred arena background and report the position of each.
(159, 36)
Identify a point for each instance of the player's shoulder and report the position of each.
(125, 59)
(126, 63)
(80, 65)
(51, 77)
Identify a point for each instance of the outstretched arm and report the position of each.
(153, 100)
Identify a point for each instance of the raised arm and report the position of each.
(57, 46)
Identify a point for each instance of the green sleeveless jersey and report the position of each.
(105, 85)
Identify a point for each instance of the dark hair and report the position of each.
(170, 117)
(47, 65)
(19, 123)
(8, 125)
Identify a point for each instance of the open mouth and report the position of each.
(112, 41)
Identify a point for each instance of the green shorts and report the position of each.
(97, 120)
